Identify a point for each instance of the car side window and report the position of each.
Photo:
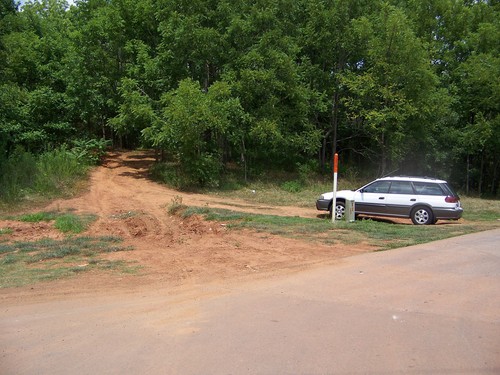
(378, 187)
(401, 187)
(426, 188)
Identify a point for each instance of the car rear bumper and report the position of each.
(448, 213)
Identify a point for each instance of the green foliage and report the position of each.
(292, 186)
(192, 127)
(49, 174)
(392, 85)
(56, 172)
(5, 231)
(66, 222)
(136, 111)
(38, 216)
(168, 174)
(90, 151)
(71, 223)
(17, 174)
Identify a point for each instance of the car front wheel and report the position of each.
(339, 210)
(422, 216)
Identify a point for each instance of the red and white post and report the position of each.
(335, 172)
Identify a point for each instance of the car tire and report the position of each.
(339, 210)
(422, 216)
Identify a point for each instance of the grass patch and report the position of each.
(38, 217)
(23, 263)
(66, 222)
(5, 231)
(71, 223)
(25, 177)
(379, 233)
(477, 209)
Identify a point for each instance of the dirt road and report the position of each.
(425, 309)
(171, 252)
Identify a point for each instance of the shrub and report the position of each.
(17, 174)
(90, 151)
(49, 174)
(292, 186)
(57, 171)
(203, 171)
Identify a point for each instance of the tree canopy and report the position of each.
(406, 86)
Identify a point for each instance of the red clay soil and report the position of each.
(172, 253)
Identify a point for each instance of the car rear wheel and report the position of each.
(339, 210)
(422, 216)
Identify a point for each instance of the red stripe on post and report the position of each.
(335, 163)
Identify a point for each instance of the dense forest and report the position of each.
(394, 86)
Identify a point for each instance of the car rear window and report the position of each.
(428, 188)
(449, 190)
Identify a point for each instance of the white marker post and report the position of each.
(335, 170)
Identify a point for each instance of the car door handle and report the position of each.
(381, 197)
(413, 200)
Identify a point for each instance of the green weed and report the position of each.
(71, 223)
(23, 263)
(66, 222)
(54, 173)
(5, 231)
(57, 171)
(176, 205)
(38, 216)
(292, 186)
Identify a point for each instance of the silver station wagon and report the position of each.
(424, 200)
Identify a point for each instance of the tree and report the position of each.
(35, 103)
(390, 94)
(94, 64)
(476, 77)
(268, 75)
(193, 127)
(332, 48)
(135, 112)
(7, 7)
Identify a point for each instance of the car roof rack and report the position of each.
(409, 176)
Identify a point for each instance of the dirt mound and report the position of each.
(171, 250)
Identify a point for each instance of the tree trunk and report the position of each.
(481, 173)
(323, 149)
(335, 120)
(243, 158)
(383, 161)
(495, 177)
(467, 174)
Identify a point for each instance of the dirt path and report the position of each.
(170, 251)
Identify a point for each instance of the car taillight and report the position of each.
(451, 199)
